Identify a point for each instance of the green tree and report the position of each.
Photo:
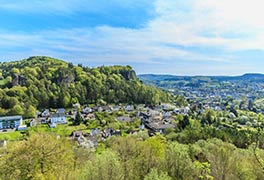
(155, 175)
(178, 162)
(104, 166)
(78, 119)
(42, 156)
(184, 122)
(208, 117)
(16, 110)
(30, 112)
(181, 101)
(221, 158)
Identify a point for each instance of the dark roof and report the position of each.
(124, 119)
(58, 115)
(61, 110)
(8, 118)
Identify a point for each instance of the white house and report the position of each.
(58, 118)
(22, 128)
(10, 122)
(116, 108)
(129, 108)
(87, 110)
(45, 113)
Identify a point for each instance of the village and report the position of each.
(215, 92)
(124, 119)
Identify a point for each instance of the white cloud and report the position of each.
(228, 24)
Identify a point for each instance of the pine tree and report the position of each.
(78, 119)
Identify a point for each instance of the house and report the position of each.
(76, 106)
(116, 108)
(95, 132)
(22, 128)
(84, 141)
(167, 114)
(124, 119)
(43, 121)
(129, 108)
(218, 108)
(155, 115)
(33, 122)
(116, 133)
(58, 118)
(45, 113)
(143, 115)
(102, 109)
(61, 111)
(108, 132)
(10, 122)
(167, 106)
(176, 111)
(90, 117)
(159, 127)
(76, 135)
(141, 107)
(168, 119)
(87, 110)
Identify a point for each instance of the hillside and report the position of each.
(44, 82)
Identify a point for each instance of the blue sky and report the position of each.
(209, 37)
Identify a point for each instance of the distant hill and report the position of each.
(246, 77)
(44, 82)
(252, 76)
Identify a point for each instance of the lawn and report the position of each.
(62, 129)
(10, 135)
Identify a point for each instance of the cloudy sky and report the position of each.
(182, 37)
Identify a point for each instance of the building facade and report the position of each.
(58, 118)
(10, 122)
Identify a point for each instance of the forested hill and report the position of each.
(44, 82)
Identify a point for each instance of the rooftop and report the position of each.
(58, 115)
(8, 118)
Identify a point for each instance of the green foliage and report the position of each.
(180, 166)
(46, 156)
(30, 112)
(155, 175)
(42, 156)
(104, 166)
(183, 122)
(11, 136)
(204, 170)
(181, 101)
(16, 110)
